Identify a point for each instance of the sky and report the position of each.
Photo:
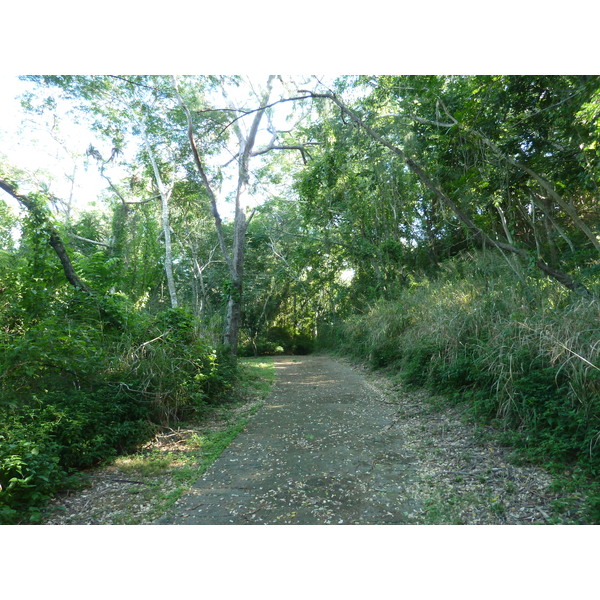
(27, 143)
(55, 151)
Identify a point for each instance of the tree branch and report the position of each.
(78, 237)
(249, 112)
(544, 184)
(54, 238)
(562, 278)
(93, 152)
(300, 148)
(418, 119)
(205, 181)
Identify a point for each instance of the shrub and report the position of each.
(278, 340)
(57, 433)
(89, 381)
(29, 474)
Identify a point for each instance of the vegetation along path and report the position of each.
(331, 446)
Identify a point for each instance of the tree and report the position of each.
(135, 109)
(123, 109)
(234, 254)
(460, 212)
(38, 211)
(165, 192)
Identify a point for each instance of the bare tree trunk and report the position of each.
(168, 251)
(165, 194)
(235, 259)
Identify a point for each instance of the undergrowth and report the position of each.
(522, 352)
(163, 471)
(91, 379)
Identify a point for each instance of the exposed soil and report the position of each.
(335, 444)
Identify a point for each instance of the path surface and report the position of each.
(322, 450)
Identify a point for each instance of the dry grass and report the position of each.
(464, 475)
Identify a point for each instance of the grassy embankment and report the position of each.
(521, 352)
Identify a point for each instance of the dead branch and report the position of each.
(300, 148)
(82, 239)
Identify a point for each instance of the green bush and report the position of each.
(29, 474)
(57, 433)
(90, 380)
(278, 340)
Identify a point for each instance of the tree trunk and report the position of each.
(235, 259)
(54, 238)
(166, 225)
(168, 252)
(233, 318)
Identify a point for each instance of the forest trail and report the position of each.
(323, 450)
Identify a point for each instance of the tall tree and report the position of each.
(234, 255)
(123, 109)
(165, 192)
(461, 212)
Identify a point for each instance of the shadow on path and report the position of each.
(322, 450)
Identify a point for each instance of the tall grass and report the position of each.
(520, 350)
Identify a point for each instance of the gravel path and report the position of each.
(340, 445)
(323, 450)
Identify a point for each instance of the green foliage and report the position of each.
(29, 473)
(8, 223)
(57, 433)
(278, 340)
(92, 379)
(91, 370)
(98, 270)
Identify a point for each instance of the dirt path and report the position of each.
(324, 449)
(336, 444)
(333, 444)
